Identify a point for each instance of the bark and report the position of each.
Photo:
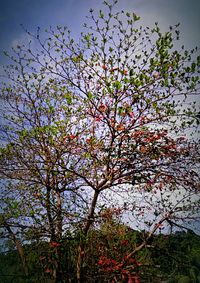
(56, 236)
(81, 248)
(58, 273)
(49, 216)
(19, 247)
(59, 216)
(142, 245)
(55, 233)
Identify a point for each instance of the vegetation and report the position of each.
(169, 258)
(94, 131)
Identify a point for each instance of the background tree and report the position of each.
(103, 115)
(37, 152)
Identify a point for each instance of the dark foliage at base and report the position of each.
(171, 258)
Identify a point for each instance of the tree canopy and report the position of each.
(91, 126)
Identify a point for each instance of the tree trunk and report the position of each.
(81, 248)
(80, 259)
(19, 247)
(49, 213)
(58, 238)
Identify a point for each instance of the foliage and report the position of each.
(90, 127)
(169, 258)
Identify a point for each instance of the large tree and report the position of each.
(104, 115)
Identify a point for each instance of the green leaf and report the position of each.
(101, 15)
(120, 110)
(193, 66)
(68, 97)
(90, 95)
(131, 72)
(117, 84)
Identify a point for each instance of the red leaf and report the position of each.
(130, 279)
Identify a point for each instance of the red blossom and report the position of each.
(130, 279)
(120, 127)
(47, 270)
(131, 114)
(89, 140)
(98, 118)
(37, 195)
(137, 280)
(113, 69)
(54, 244)
(124, 242)
(70, 137)
(102, 108)
(109, 264)
(125, 72)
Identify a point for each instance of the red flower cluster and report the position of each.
(54, 244)
(109, 264)
(70, 137)
(124, 242)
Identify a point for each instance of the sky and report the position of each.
(45, 13)
(72, 13)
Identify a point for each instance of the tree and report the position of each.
(39, 158)
(103, 115)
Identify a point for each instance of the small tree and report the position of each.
(34, 161)
(105, 114)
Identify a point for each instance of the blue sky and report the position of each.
(43, 13)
